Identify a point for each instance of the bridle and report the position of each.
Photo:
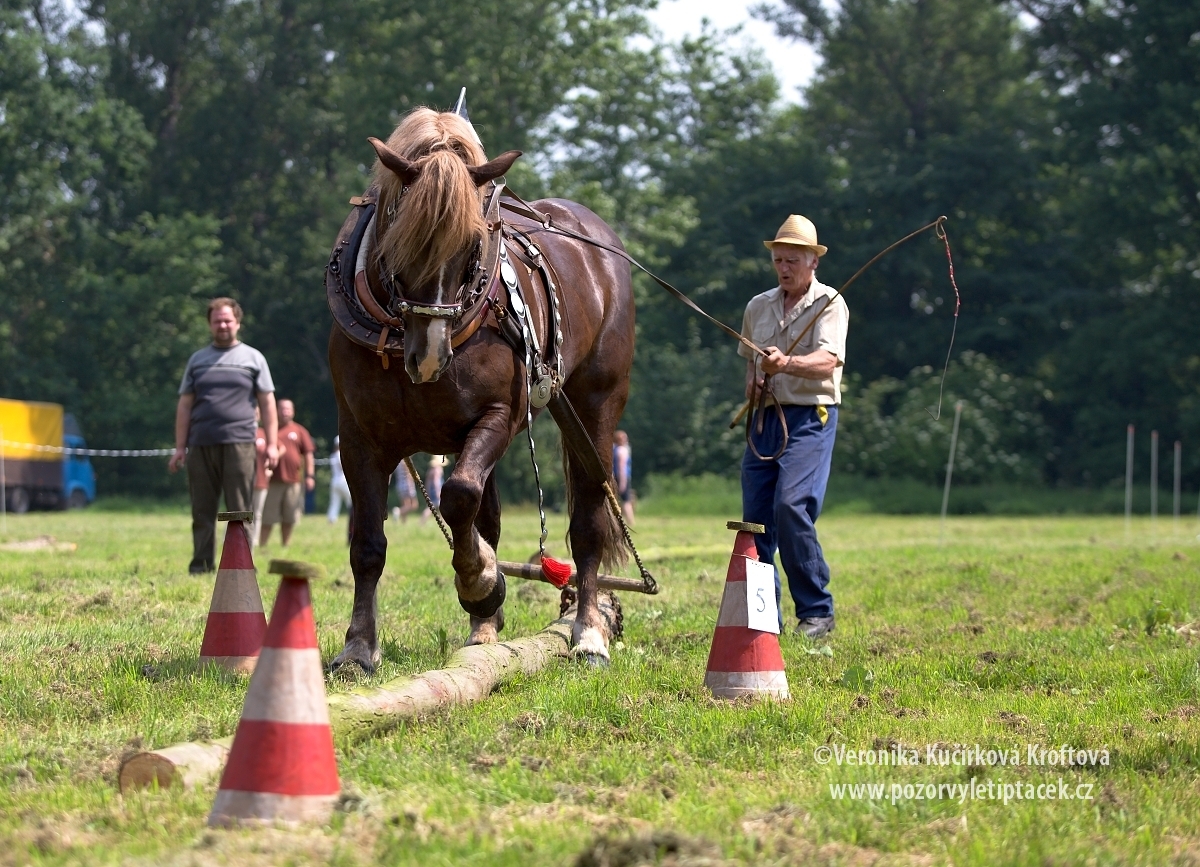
(399, 306)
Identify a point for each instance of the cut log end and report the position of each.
(145, 769)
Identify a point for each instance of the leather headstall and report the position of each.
(367, 322)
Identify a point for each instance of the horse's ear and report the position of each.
(496, 168)
(402, 168)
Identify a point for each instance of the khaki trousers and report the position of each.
(212, 471)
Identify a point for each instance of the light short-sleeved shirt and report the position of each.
(226, 383)
(766, 324)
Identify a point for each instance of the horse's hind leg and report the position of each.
(477, 579)
(595, 533)
(486, 630)
(368, 546)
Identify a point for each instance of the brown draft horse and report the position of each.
(471, 400)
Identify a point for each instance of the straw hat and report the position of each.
(800, 232)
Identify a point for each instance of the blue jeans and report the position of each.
(785, 496)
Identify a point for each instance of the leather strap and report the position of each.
(759, 416)
(524, 209)
(380, 347)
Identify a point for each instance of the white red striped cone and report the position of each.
(281, 767)
(236, 623)
(743, 661)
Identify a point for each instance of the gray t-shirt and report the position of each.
(226, 383)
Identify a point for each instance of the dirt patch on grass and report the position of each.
(657, 847)
(781, 831)
(38, 543)
(1182, 713)
(270, 846)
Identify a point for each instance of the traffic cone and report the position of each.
(281, 766)
(743, 661)
(236, 624)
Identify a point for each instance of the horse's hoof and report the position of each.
(486, 631)
(595, 660)
(342, 663)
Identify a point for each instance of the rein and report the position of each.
(524, 209)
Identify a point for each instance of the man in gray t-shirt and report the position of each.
(215, 426)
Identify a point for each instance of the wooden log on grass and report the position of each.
(471, 674)
(186, 764)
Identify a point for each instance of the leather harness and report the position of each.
(501, 306)
(480, 302)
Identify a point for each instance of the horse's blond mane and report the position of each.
(440, 214)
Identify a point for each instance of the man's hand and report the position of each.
(753, 387)
(273, 453)
(776, 361)
(310, 483)
(183, 421)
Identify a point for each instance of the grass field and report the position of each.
(1016, 631)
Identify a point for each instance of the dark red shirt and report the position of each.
(294, 443)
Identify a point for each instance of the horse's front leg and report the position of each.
(470, 502)
(368, 547)
(486, 630)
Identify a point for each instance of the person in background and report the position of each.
(433, 485)
(215, 427)
(310, 500)
(784, 493)
(623, 473)
(339, 490)
(406, 490)
(262, 478)
(295, 473)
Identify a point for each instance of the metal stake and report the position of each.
(1153, 482)
(1177, 499)
(958, 405)
(1128, 480)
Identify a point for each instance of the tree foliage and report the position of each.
(155, 154)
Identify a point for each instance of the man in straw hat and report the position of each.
(785, 493)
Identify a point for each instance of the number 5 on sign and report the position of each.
(762, 612)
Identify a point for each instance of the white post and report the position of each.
(1128, 480)
(950, 468)
(1153, 482)
(1177, 498)
(3, 488)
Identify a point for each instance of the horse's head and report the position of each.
(430, 227)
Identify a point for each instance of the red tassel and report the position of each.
(557, 572)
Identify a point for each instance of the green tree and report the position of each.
(925, 108)
(1127, 81)
(97, 309)
(891, 427)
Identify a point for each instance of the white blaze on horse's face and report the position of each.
(427, 349)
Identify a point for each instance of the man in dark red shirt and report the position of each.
(294, 474)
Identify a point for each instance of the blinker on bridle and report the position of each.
(398, 305)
